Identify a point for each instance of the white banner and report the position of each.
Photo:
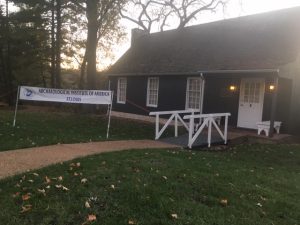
(65, 95)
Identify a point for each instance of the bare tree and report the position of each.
(102, 18)
(150, 11)
(161, 12)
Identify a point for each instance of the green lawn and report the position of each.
(40, 128)
(261, 184)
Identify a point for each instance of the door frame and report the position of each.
(262, 98)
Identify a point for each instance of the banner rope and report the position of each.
(138, 106)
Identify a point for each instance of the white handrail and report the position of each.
(173, 115)
(206, 115)
(172, 112)
(209, 121)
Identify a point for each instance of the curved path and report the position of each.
(22, 160)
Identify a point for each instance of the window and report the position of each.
(193, 93)
(152, 91)
(121, 95)
(251, 92)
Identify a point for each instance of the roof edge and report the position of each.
(195, 73)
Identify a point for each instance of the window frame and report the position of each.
(201, 93)
(148, 92)
(119, 90)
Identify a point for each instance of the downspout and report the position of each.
(274, 105)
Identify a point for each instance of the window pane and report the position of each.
(194, 93)
(121, 95)
(152, 92)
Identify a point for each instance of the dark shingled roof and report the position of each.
(262, 41)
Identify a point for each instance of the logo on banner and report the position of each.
(28, 92)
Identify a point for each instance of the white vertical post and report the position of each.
(109, 115)
(16, 109)
(202, 93)
(191, 131)
(156, 126)
(176, 125)
(193, 113)
(226, 129)
(209, 131)
(112, 99)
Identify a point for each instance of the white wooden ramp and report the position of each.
(202, 129)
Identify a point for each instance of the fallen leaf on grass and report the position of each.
(91, 218)
(174, 216)
(224, 202)
(59, 186)
(26, 208)
(136, 170)
(131, 222)
(26, 197)
(165, 177)
(16, 195)
(60, 178)
(259, 204)
(24, 177)
(112, 186)
(263, 198)
(87, 204)
(47, 180)
(30, 181)
(42, 191)
(83, 180)
(35, 174)
(65, 188)
(48, 187)
(78, 164)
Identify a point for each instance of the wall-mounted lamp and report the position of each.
(272, 87)
(232, 88)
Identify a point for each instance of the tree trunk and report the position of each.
(82, 72)
(58, 44)
(3, 71)
(52, 71)
(91, 46)
(9, 86)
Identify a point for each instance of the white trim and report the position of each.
(208, 121)
(118, 91)
(200, 97)
(148, 92)
(202, 94)
(172, 115)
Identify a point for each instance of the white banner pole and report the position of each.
(109, 90)
(108, 125)
(16, 109)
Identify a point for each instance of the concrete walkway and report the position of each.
(22, 160)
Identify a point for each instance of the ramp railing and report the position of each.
(177, 116)
(209, 121)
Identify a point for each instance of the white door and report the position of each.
(251, 102)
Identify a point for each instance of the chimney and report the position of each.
(136, 34)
